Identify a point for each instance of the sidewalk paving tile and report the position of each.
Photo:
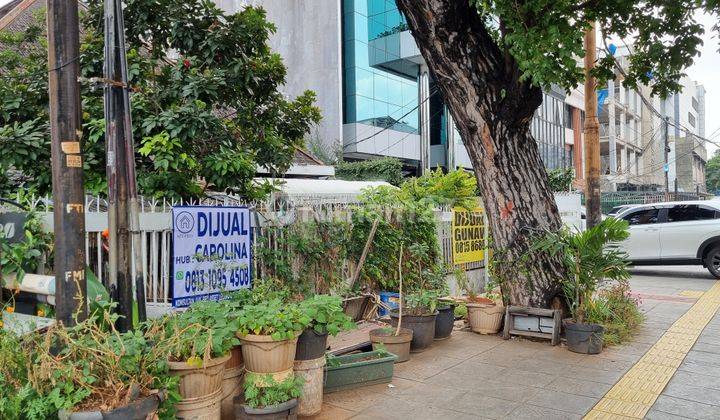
(533, 412)
(582, 387)
(686, 408)
(483, 405)
(569, 402)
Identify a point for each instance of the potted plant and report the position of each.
(419, 311)
(590, 256)
(269, 332)
(358, 369)
(484, 313)
(197, 343)
(445, 320)
(396, 340)
(274, 400)
(87, 371)
(326, 316)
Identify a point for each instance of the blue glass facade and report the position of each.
(374, 96)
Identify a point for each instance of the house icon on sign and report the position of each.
(184, 222)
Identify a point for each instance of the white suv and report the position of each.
(676, 233)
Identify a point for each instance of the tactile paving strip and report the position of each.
(635, 393)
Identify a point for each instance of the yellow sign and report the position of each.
(468, 235)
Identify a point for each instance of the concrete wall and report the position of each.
(308, 38)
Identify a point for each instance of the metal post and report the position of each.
(122, 194)
(450, 130)
(592, 143)
(424, 98)
(666, 167)
(67, 176)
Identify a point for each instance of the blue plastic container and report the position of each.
(391, 299)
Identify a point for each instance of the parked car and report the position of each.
(618, 209)
(674, 233)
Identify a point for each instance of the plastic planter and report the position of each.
(359, 369)
(286, 410)
(140, 409)
(398, 345)
(584, 338)
(311, 345)
(444, 322)
(423, 327)
(485, 318)
(199, 382)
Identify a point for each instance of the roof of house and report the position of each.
(18, 14)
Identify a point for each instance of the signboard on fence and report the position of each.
(211, 252)
(468, 235)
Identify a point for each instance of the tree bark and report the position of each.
(493, 109)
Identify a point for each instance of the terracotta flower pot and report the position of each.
(398, 345)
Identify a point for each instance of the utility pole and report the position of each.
(592, 139)
(125, 279)
(666, 166)
(67, 174)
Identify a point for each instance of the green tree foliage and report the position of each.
(205, 101)
(561, 179)
(386, 169)
(712, 174)
(545, 38)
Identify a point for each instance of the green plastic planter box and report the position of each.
(360, 369)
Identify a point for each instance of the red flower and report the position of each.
(186, 63)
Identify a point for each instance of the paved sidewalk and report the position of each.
(476, 376)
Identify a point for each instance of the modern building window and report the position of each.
(373, 96)
(691, 119)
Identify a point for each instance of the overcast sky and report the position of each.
(706, 70)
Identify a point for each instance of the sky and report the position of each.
(705, 70)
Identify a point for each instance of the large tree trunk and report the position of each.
(493, 109)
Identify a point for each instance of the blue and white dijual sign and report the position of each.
(211, 252)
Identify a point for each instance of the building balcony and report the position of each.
(397, 52)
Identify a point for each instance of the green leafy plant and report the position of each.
(205, 330)
(24, 256)
(213, 113)
(422, 302)
(385, 169)
(326, 314)
(273, 392)
(590, 256)
(618, 311)
(90, 366)
(281, 321)
(561, 179)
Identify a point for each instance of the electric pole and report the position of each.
(125, 278)
(63, 33)
(592, 140)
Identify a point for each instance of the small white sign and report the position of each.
(211, 252)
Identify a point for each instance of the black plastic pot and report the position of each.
(283, 411)
(584, 338)
(444, 322)
(311, 345)
(137, 410)
(423, 327)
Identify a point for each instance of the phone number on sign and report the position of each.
(214, 279)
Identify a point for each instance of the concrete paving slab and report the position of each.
(477, 403)
(686, 408)
(660, 415)
(576, 404)
(579, 387)
(533, 412)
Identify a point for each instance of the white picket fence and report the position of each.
(156, 231)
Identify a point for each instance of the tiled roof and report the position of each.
(18, 14)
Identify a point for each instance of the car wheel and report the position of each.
(712, 261)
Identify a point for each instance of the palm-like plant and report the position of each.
(591, 257)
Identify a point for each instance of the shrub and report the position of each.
(275, 318)
(617, 310)
(326, 314)
(274, 393)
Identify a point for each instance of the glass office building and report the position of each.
(374, 96)
(382, 89)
